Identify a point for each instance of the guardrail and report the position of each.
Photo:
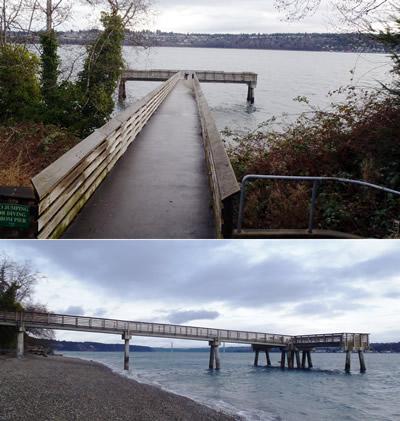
(223, 182)
(65, 186)
(316, 182)
(91, 324)
(211, 76)
(344, 340)
(111, 326)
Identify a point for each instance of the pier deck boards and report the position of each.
(159, 188)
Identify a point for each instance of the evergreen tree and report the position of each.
(102, 70)
(50, 69)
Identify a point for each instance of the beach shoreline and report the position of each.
(67, 388)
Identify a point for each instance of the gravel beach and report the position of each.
(57, 389)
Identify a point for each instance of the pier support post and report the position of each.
(250, 94)
(283, 358)
(309, 360)
(126, 337)
(347, 367)
(256, 355)
(298, 359)
(290, 359)
(217, 357)
(211, 363)
(122, 90)
(268, 358)
(363, 368)
(20, 342)
(215, 361)
(303, 359)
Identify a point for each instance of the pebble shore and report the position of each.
(58, 389)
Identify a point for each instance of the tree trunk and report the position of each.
(49, 16)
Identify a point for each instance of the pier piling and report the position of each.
(309, 360)
(122, 90)
(348, 361)
(283, 358)
(298, 363)
(363, 368)
(250, 94)
(20, 342)
(256, 355)
(268, 358)
(303, 359)
(126, 337)
(215, 361)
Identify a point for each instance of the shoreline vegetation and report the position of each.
(323, 42)
(68, 388)
(357, 139)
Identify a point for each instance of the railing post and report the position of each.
(241, 205)
(313, 206)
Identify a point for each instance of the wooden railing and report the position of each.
(211, 76)
(65, 186)
(99, 325)
(344, 340)
(223, 182)
(159, 330)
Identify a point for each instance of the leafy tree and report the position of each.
(20, 97)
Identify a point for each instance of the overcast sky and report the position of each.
(233, 16)
(273, 287)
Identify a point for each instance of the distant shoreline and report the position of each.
(302, 42)
(69, 388)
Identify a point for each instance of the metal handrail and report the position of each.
(316, 183)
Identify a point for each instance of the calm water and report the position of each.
(283, 75)
(324, 393)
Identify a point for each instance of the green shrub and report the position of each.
(357, 139)
(20, 97)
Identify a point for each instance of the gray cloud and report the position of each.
(209, 16)
(200, 273)
(74, 310)
(100, 312)
(180, 317)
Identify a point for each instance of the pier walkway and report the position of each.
(290, 346)
(159, 189)
(158, 169)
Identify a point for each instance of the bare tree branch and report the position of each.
(352, 14)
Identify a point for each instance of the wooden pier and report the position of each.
(289, 346)
(159, 169)
(203, 76)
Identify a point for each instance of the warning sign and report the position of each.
(14, 216)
